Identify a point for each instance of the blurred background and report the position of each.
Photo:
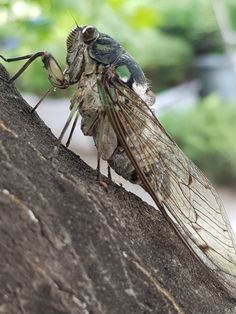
(186, 49)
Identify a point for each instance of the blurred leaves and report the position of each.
(206, 133)
(163, 36)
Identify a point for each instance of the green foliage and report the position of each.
(163, 36)
(232, 12)
(206, 133)
(193, 21)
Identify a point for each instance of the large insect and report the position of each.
(114, 100)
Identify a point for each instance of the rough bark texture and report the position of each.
(69, 246)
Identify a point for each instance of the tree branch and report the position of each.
(68, 246)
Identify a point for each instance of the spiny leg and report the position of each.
(55, 74)
(31, 57)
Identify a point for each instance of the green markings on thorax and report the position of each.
(123, 72)
(103, 48)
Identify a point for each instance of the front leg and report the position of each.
(55, 74)
(30, 57)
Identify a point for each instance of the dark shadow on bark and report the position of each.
(68, 246)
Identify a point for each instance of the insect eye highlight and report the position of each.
(89, 33)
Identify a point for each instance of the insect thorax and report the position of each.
(95, 122)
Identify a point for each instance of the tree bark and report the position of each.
(69, 246)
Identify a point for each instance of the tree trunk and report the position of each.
(69, 246)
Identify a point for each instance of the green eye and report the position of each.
(89, 33)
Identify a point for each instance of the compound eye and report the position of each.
(89, 33)
(71, 38)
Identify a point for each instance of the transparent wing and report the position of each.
(180, 190)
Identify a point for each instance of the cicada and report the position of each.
(114, 101)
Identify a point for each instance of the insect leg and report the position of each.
(109, 172)
(30, 58)
(16, 58)
(72, 129)
(72, 113)
(99, 147)
(98, 168)
(55, 74)
(42, 98)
